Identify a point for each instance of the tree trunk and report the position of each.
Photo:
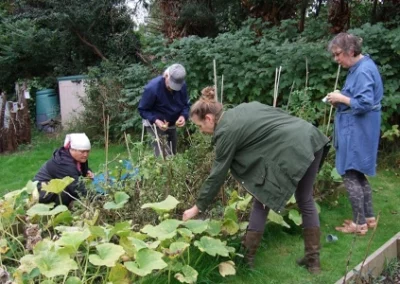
(303, 11)
(373, 14)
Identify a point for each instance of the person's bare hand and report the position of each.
(90, 175)
(335, 97)
(181, 121)
(163, 125)
(190, 213)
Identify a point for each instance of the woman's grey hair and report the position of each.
(346, 42)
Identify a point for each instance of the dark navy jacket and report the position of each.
(59, 166)
(159, 103)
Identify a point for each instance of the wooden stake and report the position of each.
(222, 88)
(215, 80)
(330, 111)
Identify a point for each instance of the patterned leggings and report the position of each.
(360, 195)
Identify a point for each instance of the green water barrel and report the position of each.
(47, 107)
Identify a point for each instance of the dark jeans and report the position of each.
(360, 195)
(167, 138)
(304, 199)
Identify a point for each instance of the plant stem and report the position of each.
(198, 259)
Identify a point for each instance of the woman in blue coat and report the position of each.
(357, 128)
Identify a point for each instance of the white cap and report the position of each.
(77, 141)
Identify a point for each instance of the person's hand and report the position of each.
(190, 213)
(181, 121)
(163, 125)
(90, 175)
(335, 97)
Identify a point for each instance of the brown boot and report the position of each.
(251, 241)
(311, 247)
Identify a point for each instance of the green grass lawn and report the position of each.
(275, 262)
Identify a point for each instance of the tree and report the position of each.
(64, 37)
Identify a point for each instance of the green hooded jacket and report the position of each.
(267, 150)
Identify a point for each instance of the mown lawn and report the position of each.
(275, 262)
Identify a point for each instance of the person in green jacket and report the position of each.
(273, 155)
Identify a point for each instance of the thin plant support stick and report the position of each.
(290, 95)
(141, 140)
(158, 141)
(106, 130)
(127, 146)
(275, 82)
(222, 88)
(277, 79)
(306, 74)
(215, 80)
(330, 111)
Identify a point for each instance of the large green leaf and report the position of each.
(122, 229)
(57, 185)
(71, 241)
(119, 275)
(73, 280)
(176, 249)
(292, 200)
(196, 226)
(214, 228)
(164, 206)
(230, 226)
(295, 216)
(108, 255)
(185, 233)
(164, 230)
(188, 275)
(27, 263)
(230, 213)
(54, 263)
(276, 218)
(212, 246)
(120, 198)
(241, 203)
(62, 218)
(146, 261)
(227, 268)
(44, 210)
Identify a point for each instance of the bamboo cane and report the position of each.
(330, 111)
(215, 80)
(222, 88)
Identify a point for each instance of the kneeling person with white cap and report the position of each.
(70, 160)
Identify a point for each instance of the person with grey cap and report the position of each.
(164, 106)
(70, 160)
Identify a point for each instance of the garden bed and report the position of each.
(375, 263)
